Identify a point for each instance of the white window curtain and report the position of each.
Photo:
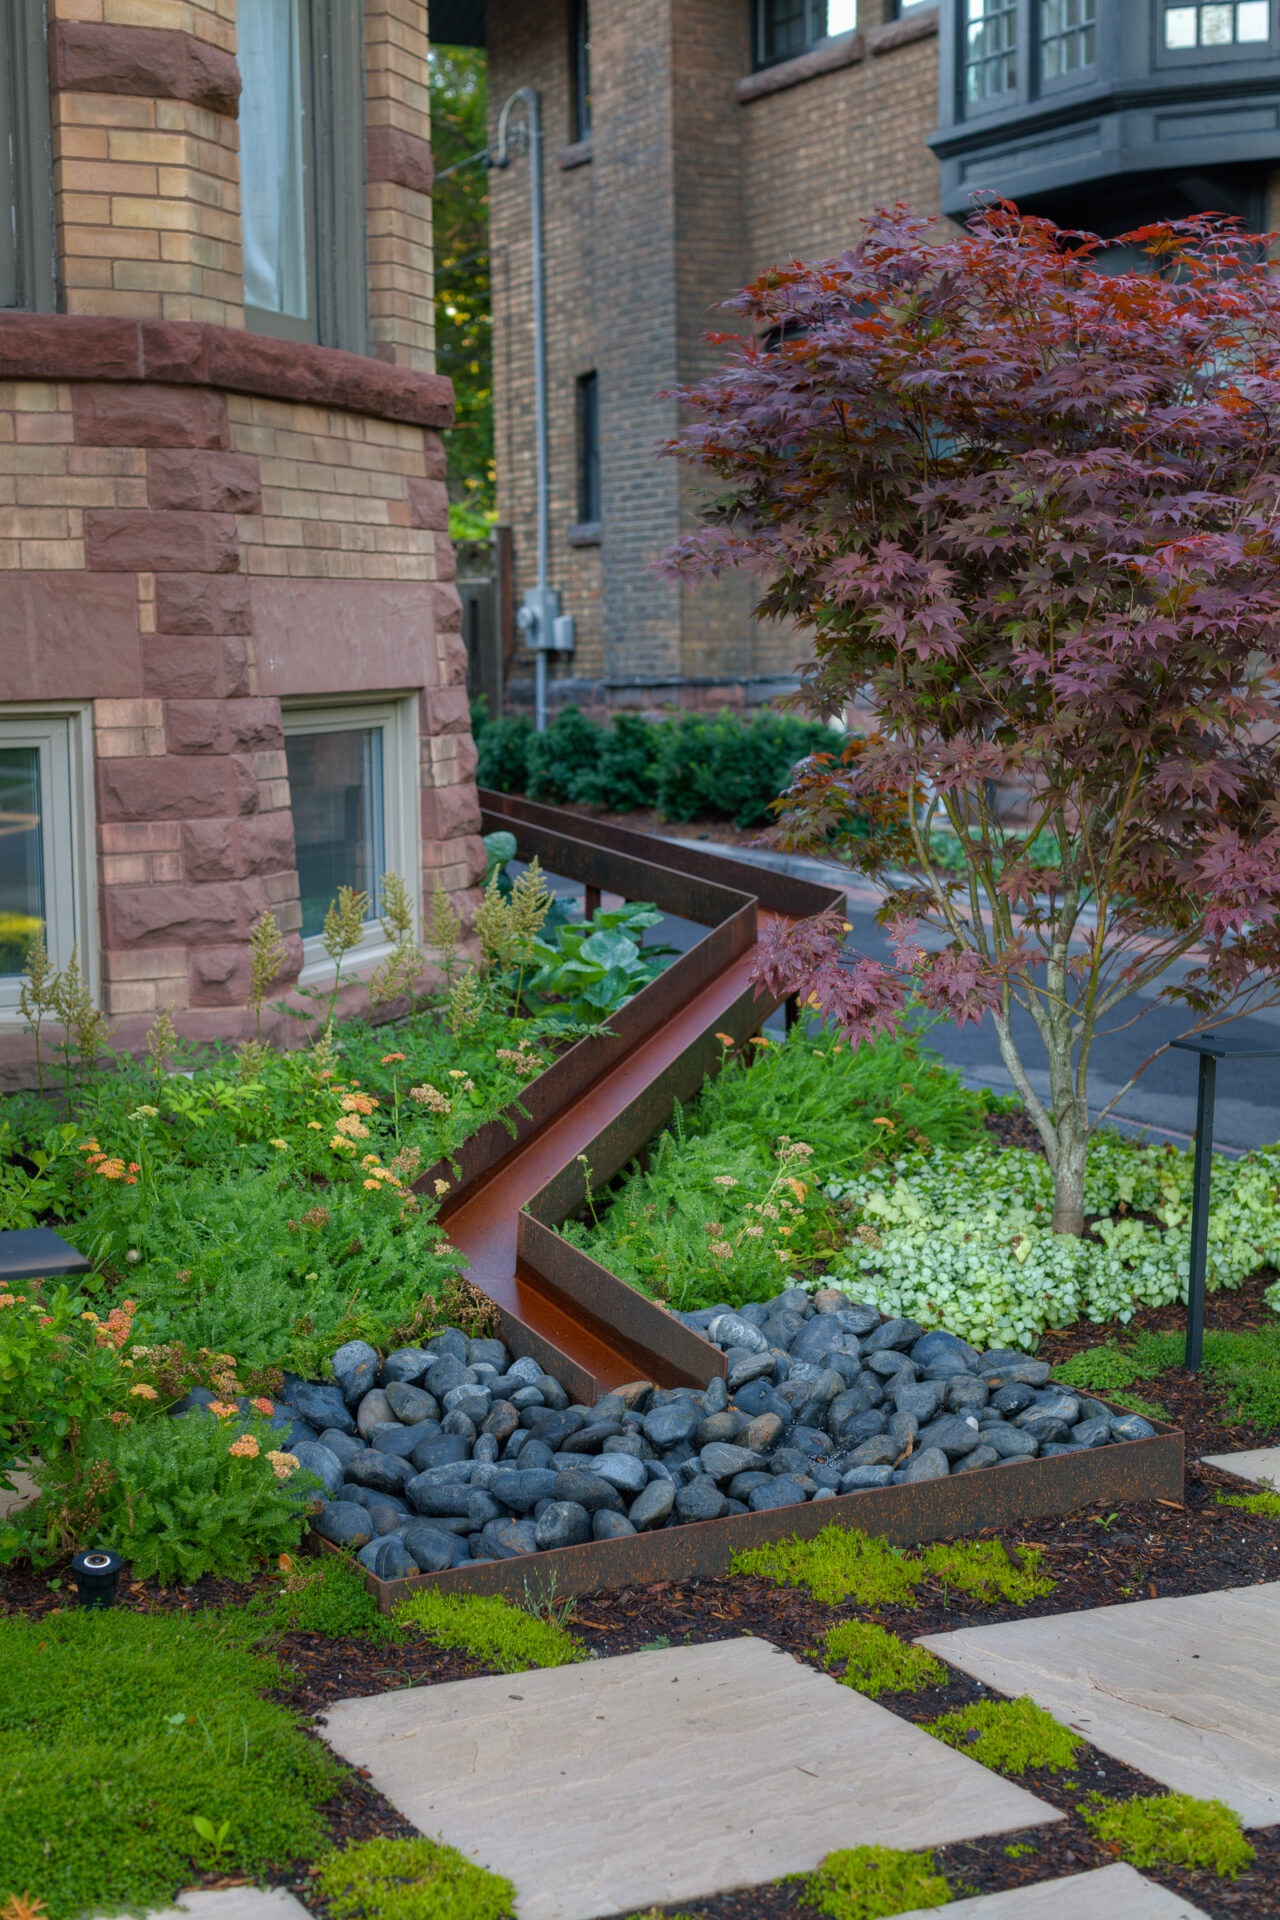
(272, 175)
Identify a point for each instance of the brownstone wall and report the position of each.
(698, 174)
(185, 558)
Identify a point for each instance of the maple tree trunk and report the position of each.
(1068, 1177)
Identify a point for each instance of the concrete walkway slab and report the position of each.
(1108, 1894)
(657, 1777)
(234, 1903)
(1261, 1464)
(1186, 1690)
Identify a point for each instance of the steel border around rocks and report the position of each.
(619, 860)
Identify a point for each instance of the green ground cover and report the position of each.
(870, 1883)
(840, 1564)
(126, 1741)
(1171, 1830)
(1009, 1735)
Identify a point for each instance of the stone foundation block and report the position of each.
(176, 788)
(193, 603)
(199, 916)
(449, 813)
(143, 415)
(177, 667)
(208, 483)
(132, 541)
(235, 849)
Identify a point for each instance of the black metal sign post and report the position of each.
(1211, 1047)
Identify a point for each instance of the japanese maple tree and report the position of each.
(1028, 510)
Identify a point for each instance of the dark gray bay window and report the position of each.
(302, 174)
(26, 163)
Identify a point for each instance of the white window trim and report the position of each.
(397, 715)
(63, 730)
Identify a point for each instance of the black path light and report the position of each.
(1211, 1048)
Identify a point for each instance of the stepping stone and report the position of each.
(24, 1492)
(659, 1777)
(1085, 1896)
(1258, 1463)
(234, 1903)
(1187, 1690)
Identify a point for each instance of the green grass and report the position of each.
(871, 1883)
(1009, 1736)
(489, 1629)
(840, 1564)
(1171, 1830)
(876, 1661)
(118, 1731)
(410, 1880)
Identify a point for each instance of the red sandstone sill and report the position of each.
(190, 353)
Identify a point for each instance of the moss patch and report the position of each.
(1103, 1369)
(1009, 1735)
(876, 1661)
(988, 1570)
(411, 1880)
(870, 1883)
(491, 1630)
(1170, 1830)
(118, 1731)
(839, 1565)
(1267, 1504)
(1244, 1367)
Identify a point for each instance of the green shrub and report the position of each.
(176, 1498)
(877, 1662)
(118, 1731)
(410, 1880)
(562, 761)
(490, 1630)
(872, 1883)
(1009, 1735)
(1166, 1830)
(502, 750)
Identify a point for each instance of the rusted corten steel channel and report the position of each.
(599, 1104)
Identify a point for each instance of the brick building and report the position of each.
(689, 144)
(230, 667)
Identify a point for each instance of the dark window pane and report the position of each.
(22, 906)
(581, 69)
(272, 171)
(1068, 32)
(335, 779)
(991, 48)
(588, 447)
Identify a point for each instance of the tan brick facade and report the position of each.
(697, 175)
(200, 525)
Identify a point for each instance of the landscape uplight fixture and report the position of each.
(1211, 1047)
(96, 1573)
(544, 628)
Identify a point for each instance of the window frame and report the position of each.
(970, 108)
(63, 732)
(1073, 76)
(397, 716)
(814, 10)
(1166, 57)
(331, 34)
(587, 423)
(25, 133)
(579, 70)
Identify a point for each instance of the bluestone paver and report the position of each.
(1112, 1893)
(1186, 1690)
(233, 1903)
(656, 1777)
(1261, 1464)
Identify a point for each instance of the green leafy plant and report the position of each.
(118, 1732)
(179, 1498)
(588, 971)
(871, 1883)
(1167, 1830)
(876, 1661)
(217, 1839)
(410, 1880)
(1009, 1735)
(490, 1630)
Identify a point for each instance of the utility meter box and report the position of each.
(537, 618)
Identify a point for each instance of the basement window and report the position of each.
(353, 789)
(46, 843)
